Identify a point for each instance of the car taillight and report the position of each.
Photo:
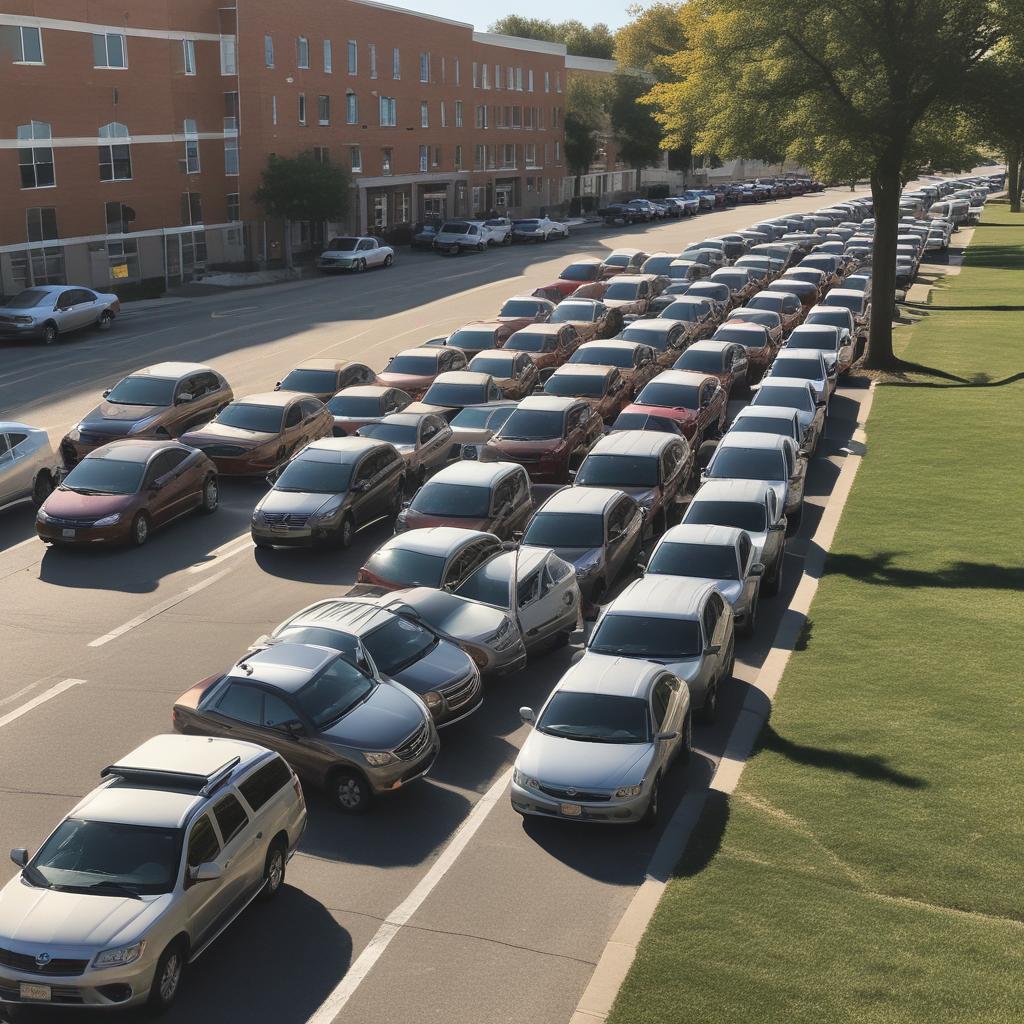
(297, 786)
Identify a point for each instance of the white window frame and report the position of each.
(268, 51)
(484, 79)
(351, 108)
(476, 75)
(424, 67)
(228, 55)
(519, 79)
(273, 110)
(106, 37)
(328, 57)
(547, 81)
(323, 106)
(302, 53)
(22, 29)
(372, 49)
(231, 147)
(115, 134)
(424, 159)
(38, 131)
(396, 64)
(444, 115)
(424, 114)
(355, 156)
(529, 80)
(188, 56)
(458, 113)
(458, 71)
(388, 112)
(303, 112)
(352, 48)
(193, 164)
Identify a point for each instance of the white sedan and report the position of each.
(356, 254)
(538, 229)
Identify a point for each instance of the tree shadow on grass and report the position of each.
(878, 569)
(705, 840)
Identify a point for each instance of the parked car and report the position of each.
(598, 529)
(256, 434)
(755, 339)
(330, 490)
(356, 407)
(424, 440)
(28, 466)
(667, 337)
(590, 317)
(603, 742)
(700, 316)
(630, 294)
(424, 232)
(716, 291)
(122, 492)
(698, 400)
(548, 345)
(356, 254)
(498, 230)
(548, 435)
(159, 401)
(623, 261)
(45, 312)
(857, 303)
(806, 364)
(324, 378)
(522, 310)
(636, 362)
(726, 360)
(740, 283)
(581, 271)
(651, 467)
(492, 497)
(457, 389)
(475, 425)
(342, 728)
(118, 881)
(414, 369)
(538, 229)
(798, 394)
(805, 291)
(437, 556)
(769, 419)
(482, 336)
(456, 236)
(603, 387)
(835, 344)
(621, 213)
(515, 373)
(785, 305)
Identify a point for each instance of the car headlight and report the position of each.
(108, 520)
(433, 699)
(120, 956)
(43, 517)
(379, 758)
(526, 781)
(627, 791)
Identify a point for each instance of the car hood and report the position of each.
(381, 722)
(116, 420)
(69, 918)
(458, 617)
(72, 505)
(219, 432)
(296, 502)
(618, 303)
(682, 668)
(442, 666)
(564, 763)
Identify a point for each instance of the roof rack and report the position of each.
(204, 785)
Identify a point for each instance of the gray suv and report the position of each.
(146, 872)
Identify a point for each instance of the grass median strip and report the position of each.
(867, 867)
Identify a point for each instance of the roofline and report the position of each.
(512, 42)
(408, 12)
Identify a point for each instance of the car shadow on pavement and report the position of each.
(17, 524)
(326, 564)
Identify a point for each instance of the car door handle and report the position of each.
(259, 835)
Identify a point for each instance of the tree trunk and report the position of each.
(1013, 183)
(886, 187)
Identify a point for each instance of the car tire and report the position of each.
(139, 530)
(360, 266)
(457, 249)
(346, 533)
(650, 818)
(388, 260)
(349, 791)
(773, 582)
(167, 977)
(42, 487)
(106, 320)
(274, 869)
(211, 496)
(507, 240)
(49, 334)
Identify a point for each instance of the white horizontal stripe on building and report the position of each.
(59, 25)
(52, 243)
(72, 142)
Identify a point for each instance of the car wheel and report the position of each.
(42, 488)
(507, 240)
(388, 260)
(650, 818)
(106, 320)
(350, 792)
(457, 249)
(211, 496)
(140, 530)
(347, 532)
(167, 977)
(360, 266)
(273, 870)
(49, 334)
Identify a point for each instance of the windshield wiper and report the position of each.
(120, 887)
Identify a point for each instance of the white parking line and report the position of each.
(393, 923)
(156, 610)
(46, 695)
(235, 546)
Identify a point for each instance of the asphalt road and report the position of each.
(503, 926)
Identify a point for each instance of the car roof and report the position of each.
(633, 278)
(692, 378)
(586, 500)
(356, 617)
(831, 310)
(544, 328)
(275, 398)
(284, 666)
(610, 675)
(470, 473)
(171, 370)
(663, 597)
(785, 354)
(529, 298)
(658, 325)
(339, 449)
(435, 540)
(711, 345)
(548, 403)
(732, 490)
(406, 419)
(584, 370)
(698, 533)
(777, 412)
(14, 425)
(616, 344)
(509, 356)
(752, 439)
(852, 292)
(132, 449)
(806, 328)
(634, 442)
(785, 382)
(462, 377)
(484, 325)
(624, 252)
(367, 390)
(422, 350)
(322, 364)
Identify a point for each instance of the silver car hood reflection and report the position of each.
(561, 762)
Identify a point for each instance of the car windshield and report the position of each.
(354, 406)
(808, 368)
(565, 530)
(604, 357)
(741, 335)
(312, 381)
(343, 244)
(455, 227)
(396, 433)
(644, 421)
(854, 303)
(525, 223)
(260, 419)
(647, 636)
(763, 425)
(789, 397)
(398, 644)
(743, 515)
(420, 366)
(496, 367)
(705, 561)
(104, 476)
(532, 425)
(671, 396)
(622, 290)
(620, 260)
(770, 302)
(748, 464)
(31, 297)
(107, 857)
(583, 312)
(683, 310)
(452, 501)
(619, 471)
(701, 362)
(333, 693)
(315, 477)
(596, 718)
(472, 339)
(572, 385)
(656, 339)
(524, 342)
(486, 585)
(455, 394)
(658, 264)
(478, 419)
(580, 272)
(406, 568)
(152, 391)
(826, 341)
(520, 307)
(833, 317)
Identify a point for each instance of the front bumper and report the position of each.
(610, 812)
(395, 776)
(108, 987)
(335, 264)
(72, 532)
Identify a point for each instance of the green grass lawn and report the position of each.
(868, 868)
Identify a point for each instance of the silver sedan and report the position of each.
(45, 312)
(27, 464)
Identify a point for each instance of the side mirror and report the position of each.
(821, 401)
(776, 527)
(157, 485)
(572, 474)
(667, 736)
(107, 392)
(294, 728)
(713, 649)
(517, 536)
(361, 486)
(757, 569)
(528, 715)
(20, 856)
(272, 476)
(205, 872)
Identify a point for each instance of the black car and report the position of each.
(424, 233)
(620, 213)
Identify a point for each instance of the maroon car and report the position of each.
(414, 369)
(479, 337)
(578, 272)
(726, 360)
(548, 345)
(697, 396)
(522, 310)
(756, 340)
(369, 403)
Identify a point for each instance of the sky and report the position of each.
(485, 12)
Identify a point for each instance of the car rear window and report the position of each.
(472, 339)
(565, 530)
(572, 385)
(260, 419)
(523, 341)
(585, 312)
(604, 356)
(743, 515)
(452, 501)
(416, 365)
(455, 394)
(580, 272)
(520, 307)
(748, 464)
(267, 780)
(407, 568)
(809, 368)
(702, 561)
(315, 381)
(671, 396)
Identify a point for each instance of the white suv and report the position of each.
(146, 871)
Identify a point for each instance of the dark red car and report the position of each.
(548, 345)
(726, 360)
(756, 340)
(578, 272)
(479, 337)
(522, 310)
(698, 399)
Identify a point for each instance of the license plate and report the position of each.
(570, 810)
(66, 533)
(38, 992)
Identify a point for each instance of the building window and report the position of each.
(234, 207)
(228, 55)
(108, 50)
(554, 117)
(351, 108)
(385, 160)
(529, 80)
(458, 71)
(302, 108)
(396, 64)
(302, 52)
(321, 154)
(531, 154)
(231, 156)
(444, 115)
(547, 81)
(231, 112)
(519, 79)
(29, 48)
(424, 114)
(458, 113)
(558, 152)
(35, 163)
(401, 207)
(558, 81)
(424, 157)
(481, 115)
(497, 76)
(508, 155)
(42, 223)
(268, 51)
(388, 112)
(328, 57)
(373, 60)
(353, 57)
(476, 75)
(444, 71)
(191, 147)
(191, 209)
(424, 67)
(115, 158)
(118, 218)
(484, 81)
(380, 212)
(437, 156)
(458, 158)
(324, 109)
(478, 157)
(273, 110)
(188, 56)
(355, 156)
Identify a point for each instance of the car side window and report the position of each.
(557, 569)
(276, 712)
(365, 470)
(618, 518)
(5, 449)
(521, 484)
(428, 430)
(503, 495)
(156, 469)
(231, 817)
(259, 787)
(174, 458)
(65, 300)
(203, 844)
(13, 440)
(710, 620)
(659, 702)
(294, 417)
(241, 703)
(309, 407)
(529, 590)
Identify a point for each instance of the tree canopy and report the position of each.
(634, 127)
(655, 34)
(586, 104)
(579, 39)
(302, 187)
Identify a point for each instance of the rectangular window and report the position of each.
(508, 155)
(519, 79)
(424, 157)
(478, 157)
(444, 71)
(191, 209)
(558, 152)
(458, 158)
(234, 206)
(108, 50)
(388, 112)
(531, 154)
(302, 108)
(458, 113)
(385, 160)
(191, 146)
(35, 163)
(517, 117)
(396, 64)
(321, 154)
(302, 52)
(188, 56)
(424, 67)
(373, 60)
(231, 112)
(273, 110)
(444, 115)
(30, 45)
(558, 81)
(115, 162)
(497, 76)
(484, 81)
(42, 223)
(268, 51)
(355, 156)
(437, 156)
(328, 57)
(115, 215)
(324, 109)
(228, 55)
(424, 114)
(554, 117)
(401, 207)
(476, 75)
(458, 71)
(547, 81)
(231, 156)
(353, 57)
(529, 80)
(481, 115)
(351, 108)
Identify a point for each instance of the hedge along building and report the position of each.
(135, 139)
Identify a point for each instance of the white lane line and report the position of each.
(46, 695)
(157, 609)
(393, 923)
(235, 546)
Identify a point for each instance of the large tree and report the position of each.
(634, 127)
(849, 88)
(655, 34)
(998, 100)
(579, 39)
(586, 106)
